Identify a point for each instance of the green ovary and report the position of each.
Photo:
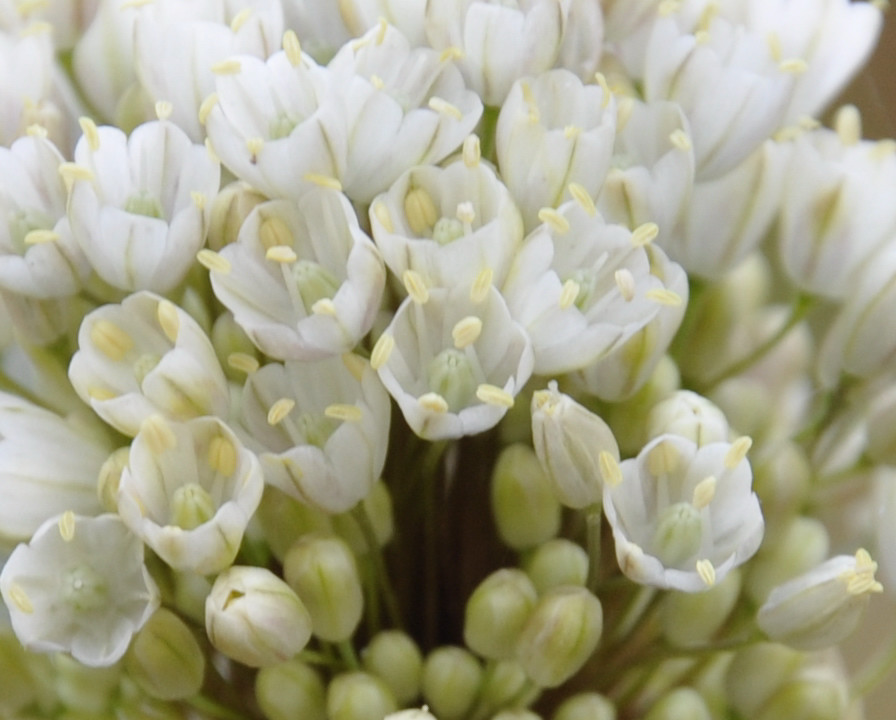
(678, 534)
(451, 375)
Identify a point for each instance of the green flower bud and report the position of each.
(523, 504)
(586, 706)
(680, 704)
(394, 657)
(190, 593)
(289, 691)
(496, 613)
(413, 714)
(165, 659)
(557, 562)
(110, 477)
(691, 619)
(503, 683)
(378, 506)
(756, 673)
(560, 636)
(451, 680)
(517, 714)
(359, 696)
(255, 618)
(782, 482)
(284, 520)
(81, 688)
(816, 699)
(322, 571)
(230, 208)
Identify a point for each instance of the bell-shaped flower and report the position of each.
(80, 586)
(553, 130)
(37, 484)
(320, 429)
(683, 516)
(582, 287)
(404, 106)
(146, 356)
(448, 224)
(38, 256)
(189, 491)
(139, 206)
(302, 280)
(453, 359)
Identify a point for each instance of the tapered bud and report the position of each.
(165, 659)
(497, 611)
(557, 562)
(451, 679)
(523, 505)
(815, 698)
(394, 657)
(756, 673)
(800, 544)
(503, 684)
(291, 690)
(359, 696)
(586, 706)
(691, 619)
(680, 704)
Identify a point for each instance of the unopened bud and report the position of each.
(557, 562)
(284, 520)
(691, 619)
(586, 706)
(110, 477)
(756, 673)
(230, 208)
(496, 613)
(394, 657)
(289, 691)
(517, 714)
(359, 696)
(680, 704)
(503, 684)
(451, 679)
(165, 659)
(84, 689)
(689, 415)
(801, 544)
(524, 507)
(818, 699)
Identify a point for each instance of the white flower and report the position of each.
(303, 280)
(139, 206)
(406, 15)
(453, 360)
(683, 516)
(322, 428)
(404, 106)
(552, 131)
(79, 586)
(320, 26)
(146, 356)
(688, 415)
(189, 491)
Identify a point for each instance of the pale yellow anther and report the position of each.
(344, 412)
(227, 67)
(382, 29)
(669, 7)
(240, 19)
(163, 109)
(292, 48)
(704, 492)
(702, 37)
(324, 306)
(645, 234)
(664, 296)
(443, 107)
(157, 434)
(20, 599)
(281, 254)
(773, 40)
(38, 237)
(466, 331)
(793, 66)
(36, 130)
(493, 395)
(274, 232)
(553, 219)
(451, 53)
(91, 133)
(606, 92)
(624, 109)
(243, 362)
(198, 199)
(625, 281)
(279, 410)
(861, 580)
(110, 339)
(472, 151)
(211, 152)
(808, 123)
(206, 107)
(101, 394)
(255, 145)
(377, 82)
(66, 526)
(415, 286)
(466, 214)
(707, 16)
(71, 172)
(609, 468)
(571, 132)
(213, 261)
(679, 138)
(583, 198)
(324, 181)
(381, 213)
(529, 99)
(355, 364)
(569, 293)
(382, 350)
(882, 148)
(479, 290)
(738, 451)
(222, 455)
(706, 572)
(420, 211)
(168, 318)
(663, 459)
(848, 124)
(433, 402)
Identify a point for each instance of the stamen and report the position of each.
(555, 220)
(344, 412)
(664, 296)
(420, 211)
(381, 213)
(323, 181)
(20, 598)
(381, 351)
(222, 455)
(466, 331)
(606, 92)
(206, 107)
(91, 134)
(324, 306)
(37, 237)
(243, 362)
(443, 107)
(355, 364)
(227, 67)
(451, 53)
(292, 48)
(679, 138)
(738, 451)
(110, 340)
(493, 395)
(625, 281)
(704, 492)
(581, 196)
(415, 286)
(433, 402)
(645, 234)
(240, 19)
(481, 285)
(848, 123)
(609, 468)
(706, 572)
(67, 526)
(279, 410)
(569, 293)
(472, 152)
(169, 320)
(281, 254)
(163, 109)
(213, 261)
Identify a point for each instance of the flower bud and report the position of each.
(322, 570)
(574, 445)
(284, 520)
(557, 562)
(165, 659)
(690, 415)
(801, 544)
(586, 706)
(782, 482)
(230, 208)
(497, 611)
(358, 696)
(413, 714)
(517, 714)
(691, 619)
(394, 657)
(503, 684)
(451, 680)
(680, 704)
(89, 690)
(255, 618)
(560, 636)
(524, 507)
(756, 673)
(811, 698)
(290, 690)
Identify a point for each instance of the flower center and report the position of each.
(142, 203)
(191, 506)
(84, 588)
(678, 534)
(314, 282)
(451, 375)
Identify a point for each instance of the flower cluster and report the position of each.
(469, 360)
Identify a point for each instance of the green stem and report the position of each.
(430, 480)
(209, 708)
(349, 656)
(380, 572)
(639, 606)
(592, 543)
(487, 132)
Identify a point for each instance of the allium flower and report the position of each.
(188, 492)
(145, 356)
(79, 586)
(683, 516)
(139, 205)
(303, 280)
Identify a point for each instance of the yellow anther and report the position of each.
(344, 412)
(157, 434)
(472, 152)
(279, 410)
(738, 451)
(240, 19)
(702, 37)
(381, 214)
(704, 492)
(415, 286)
(110, 339)
(625, 281)
(645, 234)
(557, 223)
(382, 29)
(36, 130)
(571, 132)
(274, 232)
(20, 598)
(91, 133)
(679, 138)
(861, 580)
(493, 395)
(433, 402)
(569, 293)
(169, 319)
(37, 237)
(382, 350)
(324, 181)
(706, 572)
(198, 199)
(222, 455)
(707, 16)
(466, 214)
(443, 107)
(227, 67)
(101, 394)
(324, 306)
(163, 109)
(609, 468)
(606, 93)
(206, 107)
(669, 7)
(664, 296)
(774, 46)
(242, 362)
(67, 525)
(451, 53)
(377, 82)
(481, 285)
(254, 145)
(71, 172)
(663, 459)
(292, 48)
(583, 198)
(848, 123)
(355, 364)
(466, 331)
(281, 254)
(213, 261)
(793, 66)
(420, 211)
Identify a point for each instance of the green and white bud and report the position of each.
(322, 571)
(818, 699)
(586, 706)
(560, 636)
(283, 520)
(557, 562)
(255, 618)
(783, 481)
(496, 613)
(165, 659)
(680, 704)
(756, 673)
(289, 691)
(691, 619)
(230, 208)
(525, 510)
(689, 415)
(359, 696)
(393, 656)
(504, 683)
(451, 679)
